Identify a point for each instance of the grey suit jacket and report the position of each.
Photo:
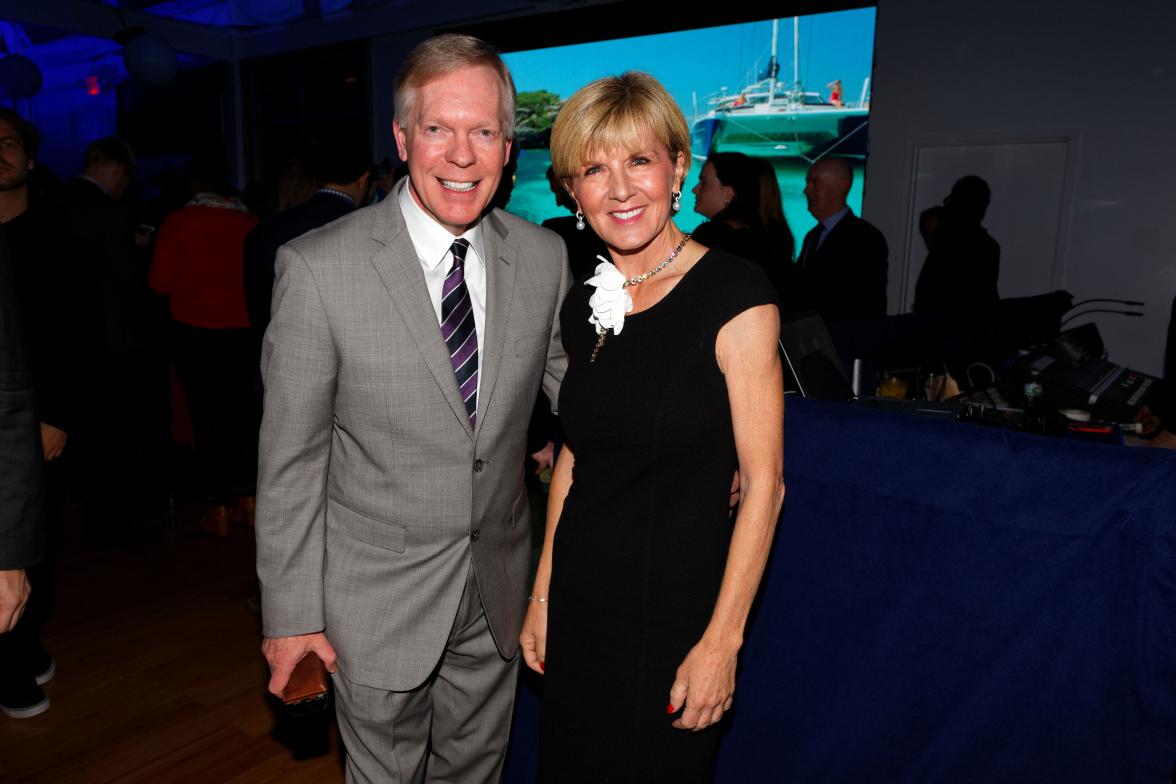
(374, 493)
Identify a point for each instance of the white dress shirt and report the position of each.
(432, 243)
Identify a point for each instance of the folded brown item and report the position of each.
(308, 681)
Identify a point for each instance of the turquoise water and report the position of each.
(533, 200)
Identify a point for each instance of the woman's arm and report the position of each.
(533, 638)
(747, 353)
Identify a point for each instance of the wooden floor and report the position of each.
(159, 675)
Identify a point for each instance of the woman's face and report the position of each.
(625, 195)
(710, 195)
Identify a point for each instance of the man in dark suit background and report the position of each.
(341, 169)
(21, 533)
(47, 282)
(841, 270)
(115, 422)
(962, 270)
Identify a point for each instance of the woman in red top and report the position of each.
(835, 92)
(198, 266)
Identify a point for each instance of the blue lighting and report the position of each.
(239, 13)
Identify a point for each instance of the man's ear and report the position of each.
(401, 140)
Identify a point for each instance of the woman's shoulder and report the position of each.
(736, 277)
(709, 231)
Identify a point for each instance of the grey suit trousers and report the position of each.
(463, 710)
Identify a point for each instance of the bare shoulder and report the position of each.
(749, 339)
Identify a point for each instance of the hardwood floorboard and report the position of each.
(160, 677)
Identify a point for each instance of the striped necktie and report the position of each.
(457, 329)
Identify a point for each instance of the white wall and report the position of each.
(1100, 74)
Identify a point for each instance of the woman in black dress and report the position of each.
(674, 382)
(741, 197)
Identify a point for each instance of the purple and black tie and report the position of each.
(457, 329)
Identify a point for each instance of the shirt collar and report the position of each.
(347, 197)
(432, 240)
(100, 186)
(830, 222)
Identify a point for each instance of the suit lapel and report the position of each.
(501, 268)
(400, 271)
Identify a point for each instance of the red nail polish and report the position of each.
(670, 709)
(542, 667)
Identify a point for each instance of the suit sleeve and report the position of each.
(21, 537)
(557, 359)
(299, 367)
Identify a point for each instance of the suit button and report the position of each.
(478, 465)
(476, 534)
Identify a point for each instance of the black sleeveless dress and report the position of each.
(642, 542)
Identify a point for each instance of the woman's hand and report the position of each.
(533, 638)
(705, 684)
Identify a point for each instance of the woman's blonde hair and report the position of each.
(616, 113)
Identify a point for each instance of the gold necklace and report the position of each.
(640, 279)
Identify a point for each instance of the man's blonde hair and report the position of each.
(442, 55)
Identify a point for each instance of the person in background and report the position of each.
(1157, 416)
(835, 93)
(198, 266)
(22, 530)
(841, 269)
(341, 169)
(929, 225)
(741, 197)
(584, 247)
(962, 269)
(101, 215)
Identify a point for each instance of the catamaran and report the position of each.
(771, 118)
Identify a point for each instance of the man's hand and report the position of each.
(545, 458)
(52, 441)
(14, 594)
(283, 653)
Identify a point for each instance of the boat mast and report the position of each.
(796, 59)
(772, 67)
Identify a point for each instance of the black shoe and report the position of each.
(24, 702)
(44, 669)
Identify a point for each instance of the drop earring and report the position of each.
(579, 221)
(677, 203)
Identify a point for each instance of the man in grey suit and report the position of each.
(407, 344)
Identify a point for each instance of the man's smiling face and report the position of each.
(455, 145)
